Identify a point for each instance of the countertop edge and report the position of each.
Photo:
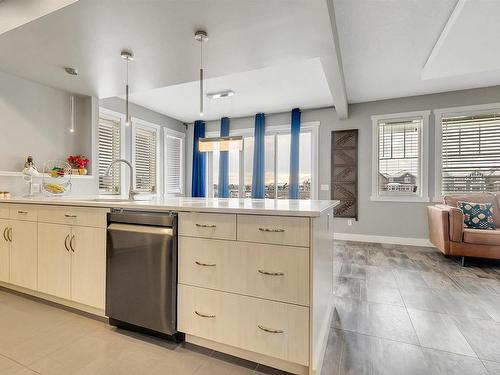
(149, 206)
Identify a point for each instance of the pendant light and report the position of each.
(128, 56)
(72, 112)
(201, 36)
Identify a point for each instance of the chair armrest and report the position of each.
(456, 222)
(439, 227)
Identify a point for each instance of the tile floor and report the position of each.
(409, 310)
(399, 310)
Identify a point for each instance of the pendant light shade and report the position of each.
(220, 144)
(127, 56)
(72, 114)
(201, 36)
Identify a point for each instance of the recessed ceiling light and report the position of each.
(71, 71)
(220, 94)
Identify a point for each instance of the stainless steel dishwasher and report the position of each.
(141, 271)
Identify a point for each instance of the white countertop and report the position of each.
(283, 207)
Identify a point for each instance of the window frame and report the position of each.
(438, 124)
(113, 116)
(137, 123)
(311, 127)
(423, 195)
(173, 133)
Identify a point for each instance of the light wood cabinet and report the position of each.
(4, 251)
(80, 216)
(72, 263)
(88, 266)
(207, 225)
(293, 231)
(54, 259)
(23, 253)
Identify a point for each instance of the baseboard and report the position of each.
(383, 239)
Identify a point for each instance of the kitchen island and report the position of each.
(255, 276)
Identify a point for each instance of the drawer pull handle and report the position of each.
(271, 273)
(270, 330)
(205, 225)
(66, 243)
(205, 264)
(204, 315)
(277, 230)
(70, 216)
(22, 212)
(71, 246)
(4, 234)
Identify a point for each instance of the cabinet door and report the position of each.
(4, 251)
(88, 266)
(23, 254)
(54, 259)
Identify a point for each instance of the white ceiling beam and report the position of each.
(334, 71)
(427, 69)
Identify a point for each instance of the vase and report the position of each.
(82, 171)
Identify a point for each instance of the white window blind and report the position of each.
(399, 156)
(174, 164)
(470, 153)
(109, 150)
(145, 155)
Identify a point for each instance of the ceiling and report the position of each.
(274, 54)
(274, 89)
(14, 13)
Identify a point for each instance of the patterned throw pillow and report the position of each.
(477, 215)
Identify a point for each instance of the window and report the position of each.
(145, 152)
(174, 144)
(277, 164)
(469, 150)
(400, 157)
(110, 135)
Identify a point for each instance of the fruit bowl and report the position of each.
(56, 178)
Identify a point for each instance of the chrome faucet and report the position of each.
(131, 192)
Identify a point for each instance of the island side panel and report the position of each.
(321, 287)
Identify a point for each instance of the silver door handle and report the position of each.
(71, 216)
(66, 242)
(205, 264)
(71, 243)
(9, 234)
(277, 230)
(206, 225)
(270, 330)
(22, 212)
(203, 315)
(271, 273)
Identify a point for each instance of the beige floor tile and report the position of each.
(8, 366)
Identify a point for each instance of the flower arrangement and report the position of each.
(78, 163)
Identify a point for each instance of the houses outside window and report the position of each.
(400, 148)
(277, 164)
(467, 149)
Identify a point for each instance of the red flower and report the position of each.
(78, 161)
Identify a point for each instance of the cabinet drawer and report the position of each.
(207, 225)
(23, 212)
(279, 230)
(275, 329)
(275, 272)
(4, 211)
(89, 217)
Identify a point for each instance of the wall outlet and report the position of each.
(324, 187)
(349, 222)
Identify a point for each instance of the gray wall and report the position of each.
(35, 120)
(392, 219)
(118, 105)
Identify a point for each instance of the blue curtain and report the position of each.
(224, 161)
(198, 177)
(258, 176)
(293, 192)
